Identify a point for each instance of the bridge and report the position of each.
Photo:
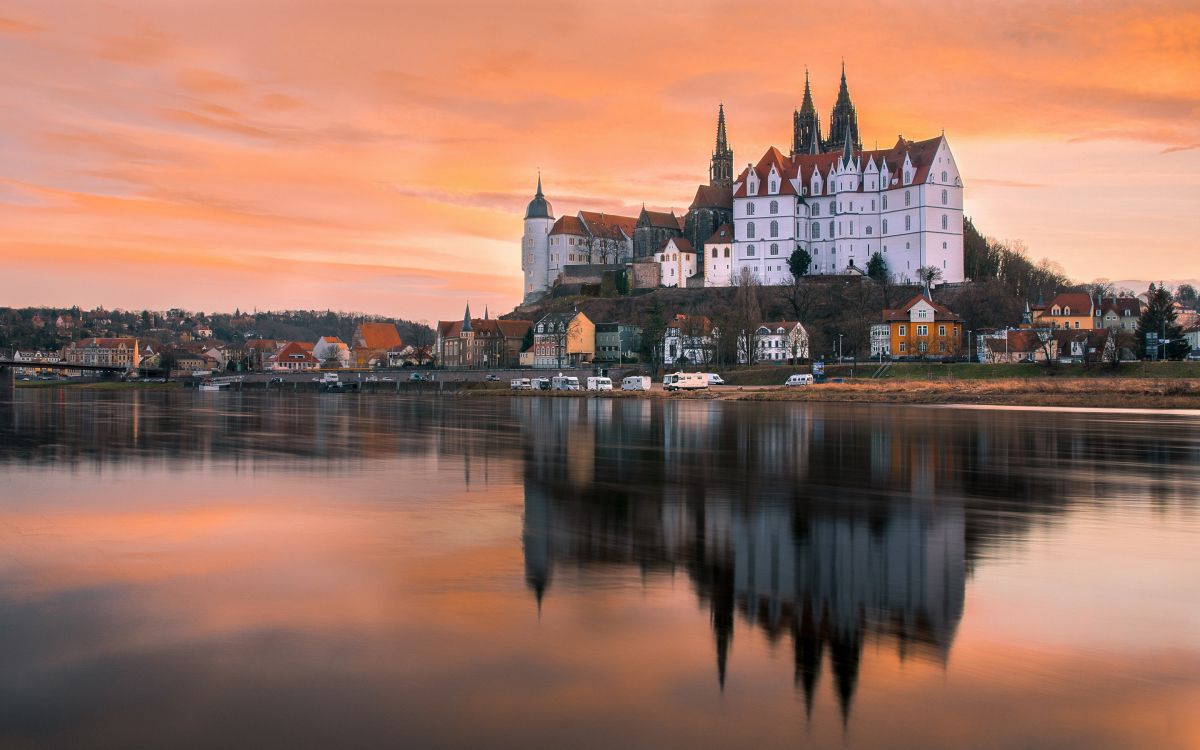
(9, 367)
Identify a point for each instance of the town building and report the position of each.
(564, 340)
(781, 341)
(617, 342)
(688, 340)
(480, 342)
(332, 351)
(923, 328)
(293, 356)
(108, 352)
(677, 261)
(717, 251)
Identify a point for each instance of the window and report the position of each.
(774, 207)
(885, 226)
(726, 252)
(943, 180)
(831, 229)
(945, 196)
(774, 228)
(903, 329)
(907, 223)
(750, 251)
(816, 209)
(941, 330)
(945, 221)
(773, 186)
(750, 209)
(907, 197)
(714, 252)
(868, 230)
(903, 344)
(774, 249)
(884, 199)
(816, 231)
(922, 330)
(750, 230)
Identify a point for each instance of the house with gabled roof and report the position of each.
(923, 328)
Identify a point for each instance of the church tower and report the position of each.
(844, 119)
(720, 170)
(535, 245)
(806, 124)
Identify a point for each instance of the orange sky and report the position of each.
(376, 156)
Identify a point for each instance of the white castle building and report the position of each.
(829, 197)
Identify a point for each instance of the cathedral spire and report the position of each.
(844, 117)
(466, 326)
(720, 169)
(806, 124)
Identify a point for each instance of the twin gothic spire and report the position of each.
(843, 122)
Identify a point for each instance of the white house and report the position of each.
(782, 341)
(718, 263)
(688, 339)
(331, 347)
(678, 262)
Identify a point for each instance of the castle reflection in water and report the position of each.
(828, 526)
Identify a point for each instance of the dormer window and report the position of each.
(774, 188)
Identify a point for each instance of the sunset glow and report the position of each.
(376, 157)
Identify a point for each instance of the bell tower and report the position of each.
(720, 170)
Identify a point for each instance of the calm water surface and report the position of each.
(283, 570)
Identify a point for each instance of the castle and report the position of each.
(828, 196)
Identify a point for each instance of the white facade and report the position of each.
(535, 255)
(688, 340)
(331, 347)
(718, 260)
(904, 203)
(881, 340)
(777, 342)
(677, 261)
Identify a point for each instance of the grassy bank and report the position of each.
(98, 385)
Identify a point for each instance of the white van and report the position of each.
(539, 384)
(636, 383)
(669, 380)
(521, 384)
(562, 382)
(715, 379)
(799, 379)
(687, 381)
(599, 384)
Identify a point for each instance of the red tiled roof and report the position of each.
(108, 343)
(602, 224)
(662, 220)
(800, 167)
(713, 196)
(940, 312)
(1079, 302)
(1121, 305)
(377, 336)
(723, 234)
(294, 351)
(695, 322)
(509, 329)
(568, 225)
(681, 244)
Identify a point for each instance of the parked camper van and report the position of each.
(799, 379)
(562, 382)
(636, 383)
(599, 384)
(540, 384)
(715, 379)
(686, 381)
(521, 384)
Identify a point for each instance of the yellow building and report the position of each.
(1069, 310)
(923, 328)
(564, 340)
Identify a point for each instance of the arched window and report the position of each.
(945, 198)
(907, 198)
(885, 226)
(774, 207)
(945, 221)
(774, 249)
(831, 232)
(750, 230)
(868, 230)
(774, 228)
(816, 231)
(943, 175)
(750, 209)
(816, 209)
(884, 203)
(773, 186)
(726, 252)
(750, 251)
(714, 252)
(907, 223)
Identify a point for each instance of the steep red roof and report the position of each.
(1079, 302)
(681, 244)
(712, 196)
(376, 336)
(294, 352)
(724, 234)
(662, 220)
(607, 225)
(568, 225)
(940, 312)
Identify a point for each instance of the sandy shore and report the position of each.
(1112, 393)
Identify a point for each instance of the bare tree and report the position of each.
(747, 314)
(929, 275)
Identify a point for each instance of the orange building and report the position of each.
(923, 328)
(1073, 310)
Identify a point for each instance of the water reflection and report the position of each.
(704, 573)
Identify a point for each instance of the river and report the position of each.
(183, 569)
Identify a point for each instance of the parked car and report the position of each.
(636, 383)
(799, 379)
(415, 378)
(599, 384)
(1193, 356)
(492, 378)
(715, 379)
